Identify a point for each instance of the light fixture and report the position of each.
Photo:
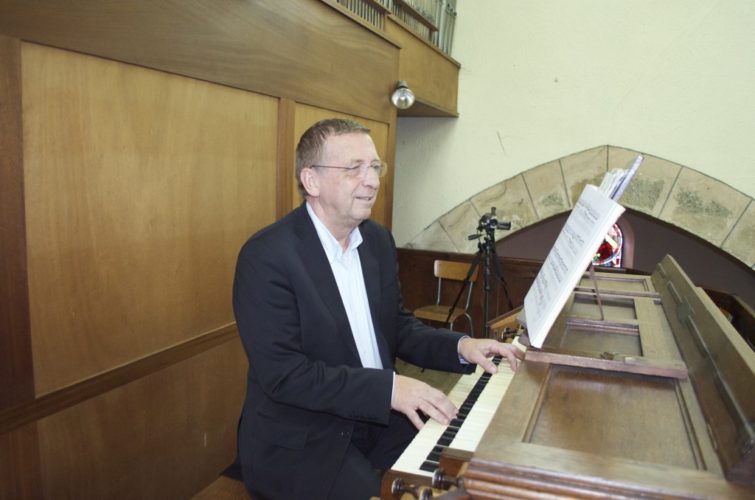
(402, 97)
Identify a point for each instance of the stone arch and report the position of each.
(673, 193)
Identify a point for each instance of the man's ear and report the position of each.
(310, 181)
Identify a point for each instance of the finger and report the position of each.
(414, 418)
(438, 400)
(479, 357)
(512, 356)
(488, 365)
(435, 413)
(513, 362)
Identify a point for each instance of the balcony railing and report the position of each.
(431, 20)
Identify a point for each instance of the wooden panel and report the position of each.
(306, 116)
(19, 453)
(432, 75)
(19, 464)
(599, 402)
(599, 429)
(286, 158)
(286, 49)
(73, 394)
(721, 365)
(533, 471)
(16, 373)
(140, 189)
(167, 435)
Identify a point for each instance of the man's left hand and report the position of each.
(479, 351)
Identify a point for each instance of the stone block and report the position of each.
(741, 241)
(512, 202)
(547, 190)
(580, 169)
(704, 206)
(460, 223)
(649, 189)
(433, 237)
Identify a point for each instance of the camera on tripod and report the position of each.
(486, 253)
(489, 222)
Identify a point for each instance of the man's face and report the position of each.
(345, 199)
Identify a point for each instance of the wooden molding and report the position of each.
(66, 397)
(16, 370)
(282, 49)
(286, 166)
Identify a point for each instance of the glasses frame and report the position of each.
(357, 170)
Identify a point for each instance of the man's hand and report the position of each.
(411, 395)
(478, 351)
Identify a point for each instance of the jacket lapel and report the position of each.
(316, 262)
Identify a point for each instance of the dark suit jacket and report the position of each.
(306, 386)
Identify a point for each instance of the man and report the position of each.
(320, 314)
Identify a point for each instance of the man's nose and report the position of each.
(370, 177)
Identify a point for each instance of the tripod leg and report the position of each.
(497, 270)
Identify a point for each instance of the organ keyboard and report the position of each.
(477, 396)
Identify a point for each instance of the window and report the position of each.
(610, 252)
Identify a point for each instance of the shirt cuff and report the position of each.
(458, 353)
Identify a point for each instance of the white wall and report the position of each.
(541, 79)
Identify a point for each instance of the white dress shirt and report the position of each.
(347, 269)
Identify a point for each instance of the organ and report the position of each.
(641, 389)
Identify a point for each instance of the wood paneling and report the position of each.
(16, 373)
(19, 451)
(166, 435)
(306, 116)
(141, 187)
(432, 75)
(19, 464)
(71, 395)
(286, 157)
(142, 144)
(285, 49)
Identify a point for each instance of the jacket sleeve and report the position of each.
(416, 342)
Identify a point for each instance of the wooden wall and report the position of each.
(140, 144)
(432, 75)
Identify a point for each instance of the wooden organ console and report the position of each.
(641, 389)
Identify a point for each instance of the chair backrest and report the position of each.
(455, 271)
(447, 269)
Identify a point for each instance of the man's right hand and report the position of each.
(411, 395)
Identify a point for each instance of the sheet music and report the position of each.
(573, 251)
(616, 181)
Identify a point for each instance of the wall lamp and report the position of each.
(402, 97)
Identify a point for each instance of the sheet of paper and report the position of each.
(616, 181)
(573, 251)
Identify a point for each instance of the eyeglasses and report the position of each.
(359, 170)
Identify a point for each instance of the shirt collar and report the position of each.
(329, 242)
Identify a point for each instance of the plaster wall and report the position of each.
(543, 80)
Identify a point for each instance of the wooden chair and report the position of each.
(445, 270)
